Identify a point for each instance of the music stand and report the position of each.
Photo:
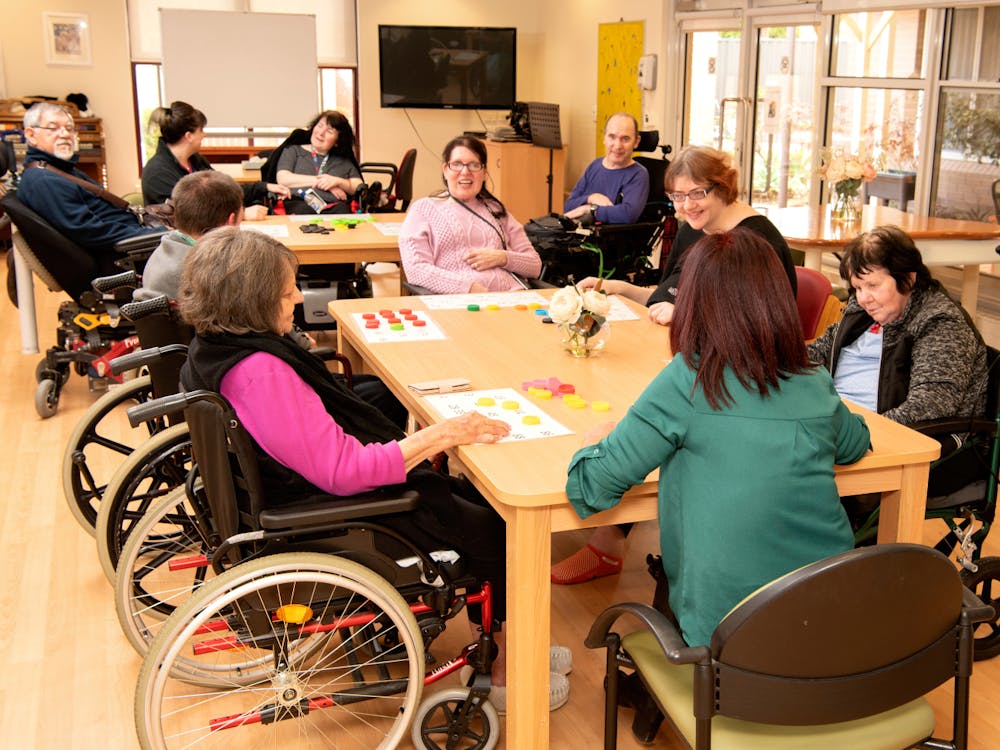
(543, 120)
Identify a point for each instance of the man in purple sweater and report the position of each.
(613, 189)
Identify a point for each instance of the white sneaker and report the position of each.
(560, 660)
(558, 693)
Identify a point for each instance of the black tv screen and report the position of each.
(447, 67)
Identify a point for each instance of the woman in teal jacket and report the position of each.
(745, 433)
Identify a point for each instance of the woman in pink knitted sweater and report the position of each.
(463, 239)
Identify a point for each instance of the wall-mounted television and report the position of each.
(447, 67)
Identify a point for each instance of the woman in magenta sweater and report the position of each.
(463, 239)
(313, 435)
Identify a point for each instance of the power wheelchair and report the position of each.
(572, 250)
(85, 339)
(298, 646)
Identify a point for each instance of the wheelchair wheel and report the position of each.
(42, 372)
(97, 445)
(46, 398)
(985, 583)
(438, 723)
(147, 591)
(279, 637)
(149, 473)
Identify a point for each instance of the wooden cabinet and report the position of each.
(520, 177)
(93, 157)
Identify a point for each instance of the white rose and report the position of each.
(853, 170)
(835, 170)
(565, 306)
(597, 302)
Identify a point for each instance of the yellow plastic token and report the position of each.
(511, 405)
(493, 307)
(543, 393)
(576, 403)
(570, 397)
(535, 306)
(530, 419)
(485, 401)
(294, 613)
(601, 406)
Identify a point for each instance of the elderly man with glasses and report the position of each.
(48, 186)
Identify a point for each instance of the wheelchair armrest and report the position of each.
(416, 289)
(949, 425)
(670, 640)
(175, 402)
(140, 243)
(366, 505)
(974, 609)
(111, 284)
(142, 357)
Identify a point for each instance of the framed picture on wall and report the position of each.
(66, 38)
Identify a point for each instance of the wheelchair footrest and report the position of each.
(335, 510)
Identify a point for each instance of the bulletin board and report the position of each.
(619, 47)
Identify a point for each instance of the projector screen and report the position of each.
(241, 69)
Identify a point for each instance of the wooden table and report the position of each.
(525, 480)
(942, 242)
(237, 172)
(366, 243)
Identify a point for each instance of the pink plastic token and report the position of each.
(419, 323)
(564, 388)
(371, 324)
(553, 384)
(368, 316)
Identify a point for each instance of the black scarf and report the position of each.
(211, 356)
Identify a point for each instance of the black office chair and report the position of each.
(836, 654)
(398, 190)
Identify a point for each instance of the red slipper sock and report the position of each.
(584, 565)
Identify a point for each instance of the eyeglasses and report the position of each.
(458, 166)
(691, 195)
(70, 130)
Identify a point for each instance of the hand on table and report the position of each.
(473, 427)
(254, 213)
(278, 190)
(662, 313)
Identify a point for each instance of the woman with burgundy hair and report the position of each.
(745, 433)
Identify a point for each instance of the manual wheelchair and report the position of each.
(101, 438)
(295, 646)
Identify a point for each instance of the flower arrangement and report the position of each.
(583, 318)
(846, 172)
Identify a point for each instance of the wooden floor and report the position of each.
(69, 674)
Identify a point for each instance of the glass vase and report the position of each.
(578, 343)
(846, 207)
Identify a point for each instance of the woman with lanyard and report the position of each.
(324, 170)
(463, 239)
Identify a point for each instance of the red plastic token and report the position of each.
(409, 316)
(386, 313)
(371, 324)
(368, 316)
(419, 323)
(565, 388)
(405, 311)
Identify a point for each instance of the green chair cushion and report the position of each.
(673, 685)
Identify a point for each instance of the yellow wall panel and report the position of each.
(619, 47)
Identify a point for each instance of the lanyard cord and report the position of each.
(319, 166)
(498, 228)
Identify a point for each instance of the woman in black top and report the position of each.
(702, 183)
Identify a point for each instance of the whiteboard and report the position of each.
(241, 69)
